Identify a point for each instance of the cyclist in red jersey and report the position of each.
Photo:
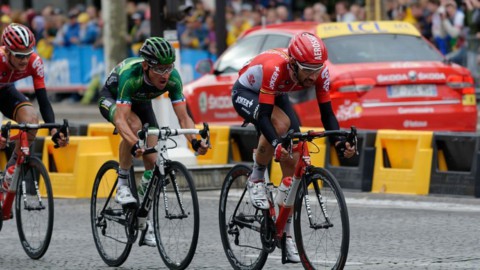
(17, 61)
(260, 97)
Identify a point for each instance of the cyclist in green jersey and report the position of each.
(125, 101)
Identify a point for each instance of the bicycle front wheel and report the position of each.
(34, 208)
(176, 216)
(322, 230)
(108, 218)
(240, 222)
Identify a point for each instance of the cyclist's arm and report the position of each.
(266, 102)
(186, 121)
(121, 123)
(45, 106)
(329, 120)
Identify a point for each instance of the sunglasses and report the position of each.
(20, 55)
(309, 68)
(162, 70)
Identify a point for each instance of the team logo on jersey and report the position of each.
(251, 79)
(243, 101)
(37, 65)
(274, 77)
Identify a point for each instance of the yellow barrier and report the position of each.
(317, 156)
(105, 129)
(402, 162)
(76, 165)
(219, 139)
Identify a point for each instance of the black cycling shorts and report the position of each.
(245, 102)
(11, 100)
(143, 109)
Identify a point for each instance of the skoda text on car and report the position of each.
(383, 75)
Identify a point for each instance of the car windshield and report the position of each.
(234, 58)
(379, 48)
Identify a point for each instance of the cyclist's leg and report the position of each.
(288, 167)
(107, 106)
(17, 107)
(146, 114)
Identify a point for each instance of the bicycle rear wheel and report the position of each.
(176, 216)
(34, 208)
(108, 218)
(322, 230)
(240, 222)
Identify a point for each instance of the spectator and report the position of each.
(447, 26)
(88, 30)
(71, 30)
(282, 14)
(211, 40)
(239, 25)
(195, 34)
(342, 12)
(271, 16)
(308, 14)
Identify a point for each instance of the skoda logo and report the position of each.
(412, 75)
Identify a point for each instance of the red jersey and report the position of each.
(34, 68)
(269, 75)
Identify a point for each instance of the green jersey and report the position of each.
(128, 82)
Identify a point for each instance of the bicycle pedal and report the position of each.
(286, 260)
(129, 206)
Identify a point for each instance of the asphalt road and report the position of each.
(387, 232)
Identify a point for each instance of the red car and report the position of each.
(384, 75)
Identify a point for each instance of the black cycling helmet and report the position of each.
(157, 51)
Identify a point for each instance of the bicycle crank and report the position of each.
(268, 232)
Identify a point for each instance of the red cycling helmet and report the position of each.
(17, 37)
(308, 51)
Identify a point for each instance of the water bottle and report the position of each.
(7, 179)
(283, 190)
(147, 175)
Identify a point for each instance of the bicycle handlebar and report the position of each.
(63, 128)
(166, 132)
(351, 136)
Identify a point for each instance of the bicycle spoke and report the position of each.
(34, 208)
(176, 216)
(108, 219)
(321, 226)
(240, 223)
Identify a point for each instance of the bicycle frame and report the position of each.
(23, 157)
(159, 170)
(301, 170)
(285, 209)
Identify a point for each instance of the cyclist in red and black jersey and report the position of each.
(260, 97)
(17, 61)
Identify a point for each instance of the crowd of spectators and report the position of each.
(451, 25)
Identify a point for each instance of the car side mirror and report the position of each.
(204, 66)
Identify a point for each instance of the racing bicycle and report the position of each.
(31, 189)
(320, 215)
(176, 217)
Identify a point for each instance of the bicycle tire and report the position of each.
(243, 246)
(103, 203)
(176, 234)
(34, 211)
(310, 242)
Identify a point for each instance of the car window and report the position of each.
(275, 41)
(379, 48)
(235, 57)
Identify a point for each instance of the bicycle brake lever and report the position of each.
(352, 138)
(6, 131)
